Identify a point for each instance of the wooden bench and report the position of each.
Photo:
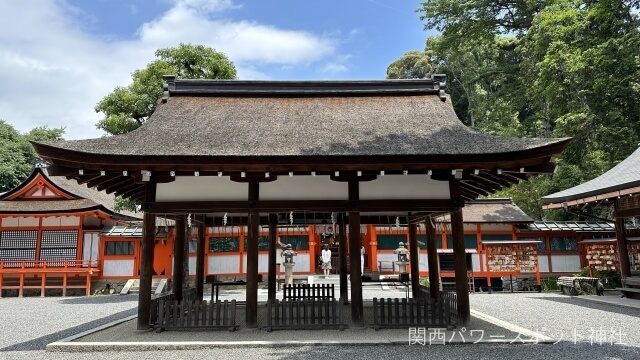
(572, 285)
(308, 292)
(389, 265)
(631, 287)
(304, 314)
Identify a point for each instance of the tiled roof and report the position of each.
(578, 226)
(622, 176)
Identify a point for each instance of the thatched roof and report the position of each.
(225, 118)
(210, 127)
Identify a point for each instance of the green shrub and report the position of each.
(550, 284)
(424, 282)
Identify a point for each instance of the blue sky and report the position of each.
(58, 58)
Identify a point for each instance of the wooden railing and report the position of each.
(303, 314)
(43, 275)
(308, 292)
(196, 314)
(399, 313)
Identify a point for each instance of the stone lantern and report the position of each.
(287, 256)
(403, 257)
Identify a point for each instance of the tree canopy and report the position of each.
(540, 68)
(17, 156)
(127, 108)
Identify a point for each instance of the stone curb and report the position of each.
(203, 345)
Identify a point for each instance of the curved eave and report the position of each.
(88, 160)
(588, 197)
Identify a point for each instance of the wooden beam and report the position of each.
(83, 179)
(301, 205)
(146, 261)
(496, 178)
(103, 179)
(115, 183)
(178, 258)
(472, 187)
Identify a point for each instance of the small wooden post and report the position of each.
(434, 261)
(146, 260)
(178, 258)
(414, 253)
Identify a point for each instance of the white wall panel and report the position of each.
(223, 264)
(304, 188)
(565, 263)
(118, 268)
(404, 187)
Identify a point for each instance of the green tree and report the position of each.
(17, 156)
(412, 65)
(126, 108)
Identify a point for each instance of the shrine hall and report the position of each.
(364, 151)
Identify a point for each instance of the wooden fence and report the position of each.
(303, 314)
(308, 292)
(196, 314)
(187, 295)
(399, 313)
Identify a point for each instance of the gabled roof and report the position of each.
(69, 197)
(492, 211)
(302, 126)
(622, 179)
(577, 226)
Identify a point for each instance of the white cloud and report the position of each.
(333, 68)
(53, 70)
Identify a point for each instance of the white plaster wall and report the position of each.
(263, 263)
(304, 188)
(20, 221)
(565, 263)
(61, 221)
(223, 264)
(201, 188)
(118, 268)
(475, 262)
(404, 187)
(192, 265)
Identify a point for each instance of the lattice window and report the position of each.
(58, 245)
(18, 245)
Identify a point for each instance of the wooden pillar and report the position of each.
(200, 259)
(271, 277)
(434, 261)
(342, 249)
(354, 254)
(623, 250)
(414, 260)
(460, 265)
(146, 260)
(178, 259)
(253, 228)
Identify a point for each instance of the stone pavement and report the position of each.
(123, 336)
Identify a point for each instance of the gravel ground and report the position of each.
(30, 323)
(558, 316)
(561, 317)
